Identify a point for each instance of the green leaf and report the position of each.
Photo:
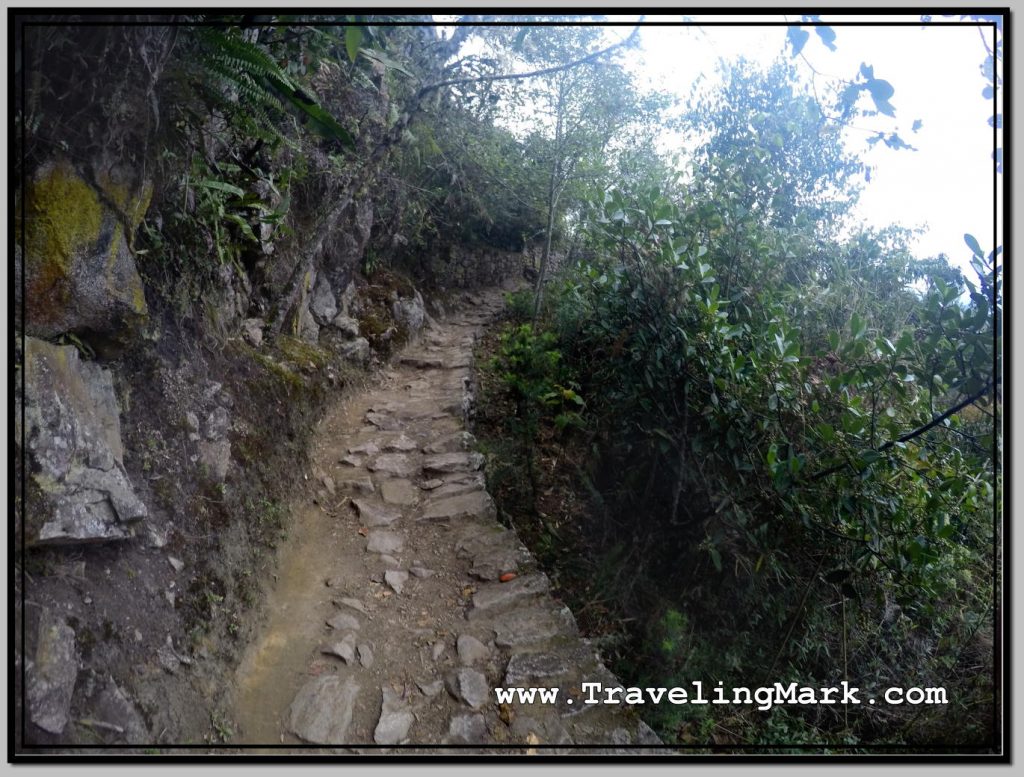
(243, 225)
(353, 40)
(221, 186)
(881, 91)
(972, 243)
(322, 122)
(857, 326)
(827, 35)
(716, 558)
(869, 456)
(797, 38)
(386, 61)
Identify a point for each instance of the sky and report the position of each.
(946, 186)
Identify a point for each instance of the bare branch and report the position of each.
(914, 433)
(534, 73)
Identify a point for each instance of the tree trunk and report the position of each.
(539, 291)
(553, 194)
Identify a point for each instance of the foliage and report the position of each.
(780, 450)
(531, 369)
(519, 306)
(766, 141)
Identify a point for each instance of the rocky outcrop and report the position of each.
(343, 254)
(228, 301)
(80, 275)
(73, 441)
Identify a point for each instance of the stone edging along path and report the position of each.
(401, 603)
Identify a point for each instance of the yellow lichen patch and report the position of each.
(138, 212)
(63, 215)
(139, 300)
(132, 208)
(115, 244)
(132, 294)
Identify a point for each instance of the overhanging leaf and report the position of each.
(221, 186)
(353, 40)
(827, 35)
(881, 91)
(320, 121)
(386, 61)
(798, 39)
(972, 243)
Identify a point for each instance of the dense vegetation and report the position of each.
(778, 430)
(784, 425)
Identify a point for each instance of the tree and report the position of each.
(771, 135)
(578, 103)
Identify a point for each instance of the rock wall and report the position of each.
(460, 267)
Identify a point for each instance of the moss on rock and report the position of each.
(79, 271)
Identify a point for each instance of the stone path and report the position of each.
(401, 603)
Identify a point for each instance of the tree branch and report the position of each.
(424, 91)
(914, 433)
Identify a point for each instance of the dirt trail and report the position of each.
(394, 617)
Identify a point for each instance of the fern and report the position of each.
(257, 81)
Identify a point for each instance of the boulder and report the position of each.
(215, 456)
(228, 301)
(373, 515)
(459, 461)
(468, 729)
(252, 331)
(322, 303)
(410, 312)
(395, 718)
(347, 299)
(347, 326)
(469, 686)
(112, 705)
(380, 541)
(357, 350)
(471, 650)
(73, 442)
(475, 504)
(396, 464)
(78, 267)
(322, 710)
(51, 673)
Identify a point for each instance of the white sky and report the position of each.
(947, 185)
